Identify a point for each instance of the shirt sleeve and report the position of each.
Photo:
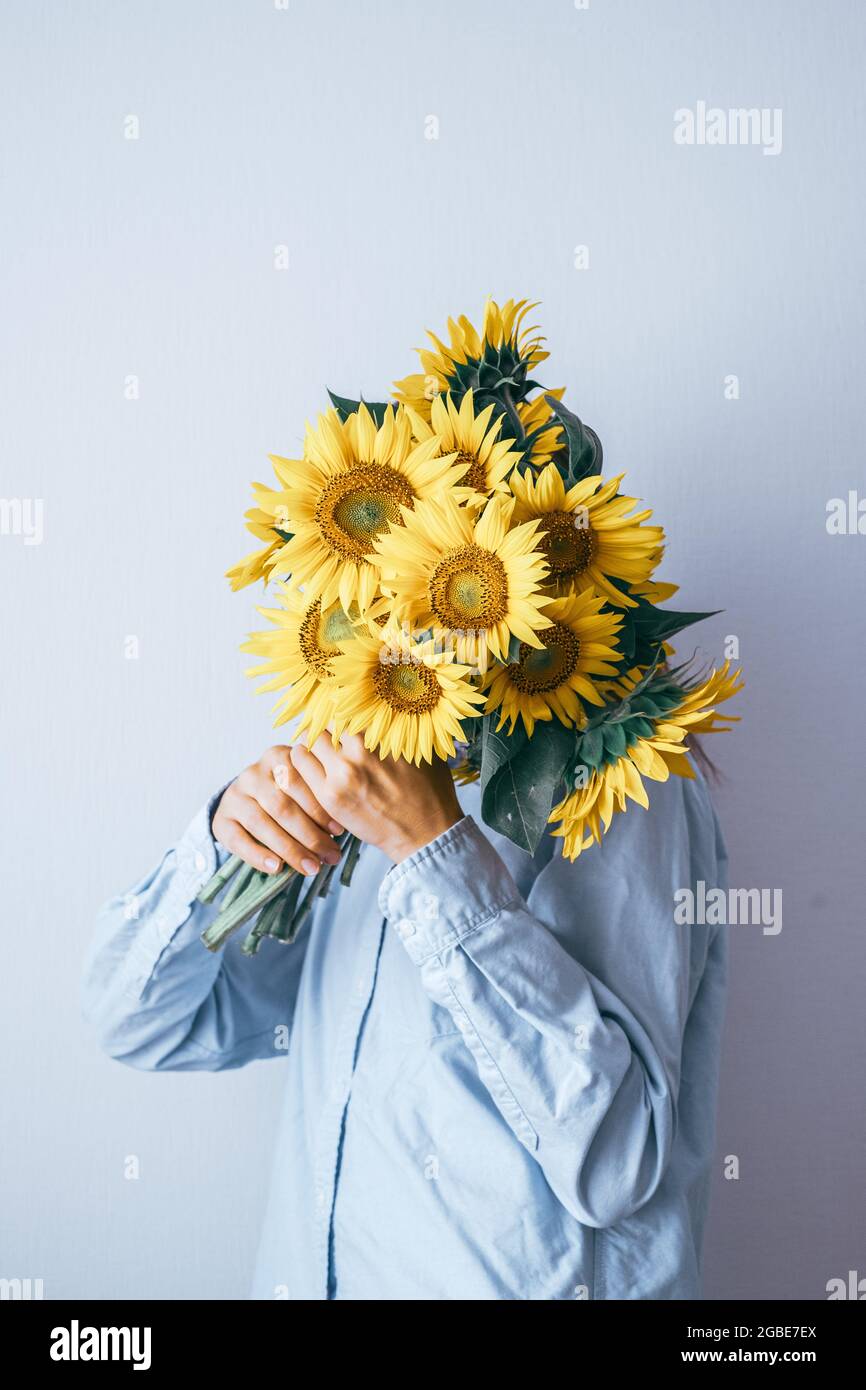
(158, 999)
(573, 1000)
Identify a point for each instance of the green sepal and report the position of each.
(640, 726)
(590, 748)
(615, 742)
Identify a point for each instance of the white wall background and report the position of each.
(305, 126)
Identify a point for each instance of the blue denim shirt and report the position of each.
(500, 1069)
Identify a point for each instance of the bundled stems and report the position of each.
(245, 907)
(273, 899)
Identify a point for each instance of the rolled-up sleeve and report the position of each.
(158, 999)
(573, 1001)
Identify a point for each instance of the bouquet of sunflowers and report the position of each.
(456, 579)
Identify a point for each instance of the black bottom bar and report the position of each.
(63, 1336)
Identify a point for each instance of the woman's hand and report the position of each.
(387, 802)
(270, 817)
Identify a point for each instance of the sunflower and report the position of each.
(586, 813)
(536, 415)
(407, 697)
(474, 440)
(588, 536)
(267, 521)
(254, 566)
(467, 577)
(696, 711)
(353, 481)
(555, 679)
(503, 353)
(300, 649)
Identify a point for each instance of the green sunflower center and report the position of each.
(358, 505)
(469, 589)
(319, 635)
(408, 687)
(335, 627)
(568, 546)
(539, 671)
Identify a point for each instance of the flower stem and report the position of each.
(218, 881)
(511, 412)
(238, 884)
(313, 891)
(353, 851)
(246, 906)
(262, 925)
(282, 929)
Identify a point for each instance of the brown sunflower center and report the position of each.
(408, 687)
(358, 505)
(568, 546)
(319, 634)
(476, 474)
(469, 589)
(538, 671)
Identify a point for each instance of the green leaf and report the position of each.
(645, 627)
(584, 446)
(345, 407)
(658, 624)
(627, 641)
(496, 749)
(520, 777)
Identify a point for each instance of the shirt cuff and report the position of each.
(446, 890)
(199, 855)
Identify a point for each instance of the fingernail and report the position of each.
(271, 864)
(309, 866)
(334, 828)
(332, 856)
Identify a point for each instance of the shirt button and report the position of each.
(200, 861)
(405, 927)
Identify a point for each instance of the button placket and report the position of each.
(339, 1096)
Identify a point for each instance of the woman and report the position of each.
(502, 1068)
